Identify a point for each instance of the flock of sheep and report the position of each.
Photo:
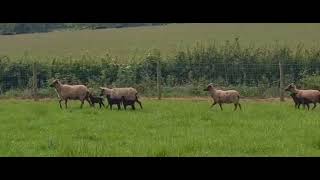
(129, 96)
(118, 96)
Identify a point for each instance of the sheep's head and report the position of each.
(105, 91)
(54, 83)
(291, 87)
(209, 87)
(102, 91)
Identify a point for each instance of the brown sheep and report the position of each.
(71, 92)
(129, 94)
(298, 101)
(220, 96)
(305, 96)
(126, 103)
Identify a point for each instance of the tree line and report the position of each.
(21, 28)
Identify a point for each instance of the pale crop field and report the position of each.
(135, 42)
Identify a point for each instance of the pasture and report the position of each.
(169, 127)
(134, 43)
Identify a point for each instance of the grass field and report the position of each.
(162, 128)
(129, 42)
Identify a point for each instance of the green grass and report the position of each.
(162, 128)
(134, 42)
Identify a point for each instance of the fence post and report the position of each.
(158, 79)
(281, 82)
(34, 81)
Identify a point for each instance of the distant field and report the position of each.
(162, 128)
(129, 42)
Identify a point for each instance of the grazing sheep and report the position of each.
(70, 92)
(298, 101)
(96, 99)
(220, 96)
(305, 96)
(130, 95)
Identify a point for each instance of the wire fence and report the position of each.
(159, 79)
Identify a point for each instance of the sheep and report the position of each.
(111, 101)
(298, 101)
(130, 95)
(96, 99)
(71, 92)
(128, 103)
(305, 96)
(220, 96)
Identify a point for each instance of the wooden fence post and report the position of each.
(281, 82)
(158, 79)
(34, 81)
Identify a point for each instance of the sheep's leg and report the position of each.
(214, 103)
(235, 107)
(239, 105)
(298, 105)
(139, 103)
(220, 106)
(82, 102)
(60, 103)
(133, 108)
(66, 103)
(110, 106)
(90, 103)
(119, 107)
(102, 103)
(125, 106)
(308, 106)
(314, 105)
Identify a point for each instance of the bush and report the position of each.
(310, 81)
(253, 70)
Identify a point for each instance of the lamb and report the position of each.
(305, 96)
(71, 92)
(96, 99)
(116, 94)
(298, 101)
(111, 101)
(220, 96)
(128, 103)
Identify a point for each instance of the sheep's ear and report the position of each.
(101, 88)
